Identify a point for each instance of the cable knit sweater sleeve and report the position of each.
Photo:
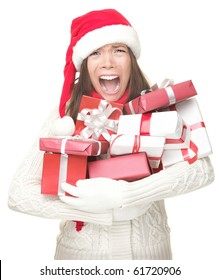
(25, 190)
(175, 180)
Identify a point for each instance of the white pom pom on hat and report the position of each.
(63, 127)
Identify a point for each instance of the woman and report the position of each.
(122, 220)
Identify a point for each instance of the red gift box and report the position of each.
(97, 118)
(160, 98)
(58, 168)
(73, 146)
(126, 167)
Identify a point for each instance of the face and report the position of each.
(109, 68)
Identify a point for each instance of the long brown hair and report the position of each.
(83, 86)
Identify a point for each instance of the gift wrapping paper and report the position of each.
(161, 98)
(73, 146)
(58, 168)
(171, 157)
(121, 144)
(199, 143)
(97, 118)
(125, 167)
(167, 124)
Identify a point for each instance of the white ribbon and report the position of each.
(62, 173)
(96, 121)
(63, 144)
(171, 95)
(166, 84)
(131, 108)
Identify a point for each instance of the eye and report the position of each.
(120, 50)
(94, 53)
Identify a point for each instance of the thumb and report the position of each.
(72, 190)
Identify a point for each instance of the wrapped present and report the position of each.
(74, 146)
(200, 143)
(121, 144)
(58, 168)
(171, 157)
(158, 124)
(97, 118)
(160, 98)
(126, 167)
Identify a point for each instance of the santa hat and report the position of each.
(88, 33)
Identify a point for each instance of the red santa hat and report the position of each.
(88, 33)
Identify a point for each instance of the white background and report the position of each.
(179, 40)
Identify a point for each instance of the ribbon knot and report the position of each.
(165, 84)
(96, 121)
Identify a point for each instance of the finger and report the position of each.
(72, 190)
(82, 182)
(72, 201)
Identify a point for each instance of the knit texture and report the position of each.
(145, 237)
(175, 180)
(138, 230)
(25, 190)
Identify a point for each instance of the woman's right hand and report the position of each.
(94, 195)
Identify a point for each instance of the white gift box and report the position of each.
(121, 144)
(171, 157)
(167, 124)
(191, 113)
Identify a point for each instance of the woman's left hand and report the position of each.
(94, 195)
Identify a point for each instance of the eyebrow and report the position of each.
(118, 45)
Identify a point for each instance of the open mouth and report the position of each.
(109, 84)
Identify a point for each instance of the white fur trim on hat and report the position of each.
(102, 36)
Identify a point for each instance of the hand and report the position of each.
(130, 212)
(94, 195)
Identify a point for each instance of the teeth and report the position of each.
(108, 78)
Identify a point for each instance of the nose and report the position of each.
(107, 60)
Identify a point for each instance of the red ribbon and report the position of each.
(179, 140)
(137, 144)
(185, 153)
(145, 124)
(192, 146)
(197, 125)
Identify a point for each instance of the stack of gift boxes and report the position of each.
(128, 142)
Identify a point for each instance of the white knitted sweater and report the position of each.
(137, 231)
